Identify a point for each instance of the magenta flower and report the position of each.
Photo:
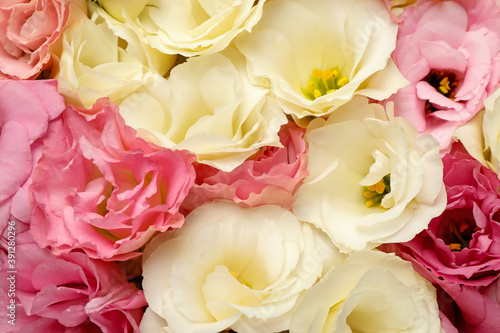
(67, 293)
(452, 61)
(463, 244)
(99, 189)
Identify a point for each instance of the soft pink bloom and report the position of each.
(26, 110)
(465, 308)
(463, 244)
(450, 53)
(27, 30)
(271, 177)
(67, 293)
(99, 188)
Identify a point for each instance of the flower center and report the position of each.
(376, 192)
(324, 82)
(445, 82)
(242, 283)
(456, 229)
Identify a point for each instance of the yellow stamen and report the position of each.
(323, 82)
(234, 275)
(455, 246)
(374, 194)
(380, 187)
(317, 73)
(317, 93)
(343, 81)
(327, 74)
(444, 85)
(368, 194)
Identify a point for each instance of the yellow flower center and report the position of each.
(445, 83)
(376, 192)
(242, 283)
(324, 82)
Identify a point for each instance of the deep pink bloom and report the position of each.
(100, 189)
(463, 244)
(450, 53)
(26, 110)
(27, 30)
(67, 293)
(271, 177)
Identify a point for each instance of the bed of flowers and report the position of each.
(249, 166)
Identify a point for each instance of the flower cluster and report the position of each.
(249, 166)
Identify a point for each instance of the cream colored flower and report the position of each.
(372, 180)
(122, 9)
(481, 135)
(195, 27)
(398, 6)
(102, 57)
(317, 54)
(213, 110)
(371, 292)
(235, 267)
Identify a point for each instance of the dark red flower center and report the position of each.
(445, 82)
(456, 228)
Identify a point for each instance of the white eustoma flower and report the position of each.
(317, 54)
(213, 110)
(372, 180)
(481, 135)
(371, 292)
(121, 9)
(102, 57)
(192, 28)
(235, 267)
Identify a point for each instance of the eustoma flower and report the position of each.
(370, 292)
(28, 29)
(192, 28)
(211, 108)
(99, 189)
(228, 266)
(67, 293)
(271, 177)
(27, 109)
(372, 180)
(452, 62)
(462, 245)
(101, 57)
(316, 54)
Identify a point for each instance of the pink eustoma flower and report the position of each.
(27, 30)
(463, 244)
(450, 53)
(270, 177)
(67, 293)
(27, 108)
(100, 189)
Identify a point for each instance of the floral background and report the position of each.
(249, 166)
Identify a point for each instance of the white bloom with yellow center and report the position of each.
(192, 28)
(371, 292)
(316, 54)
(372, 180)
(212, 109)
(102, 57)
(235, 267)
